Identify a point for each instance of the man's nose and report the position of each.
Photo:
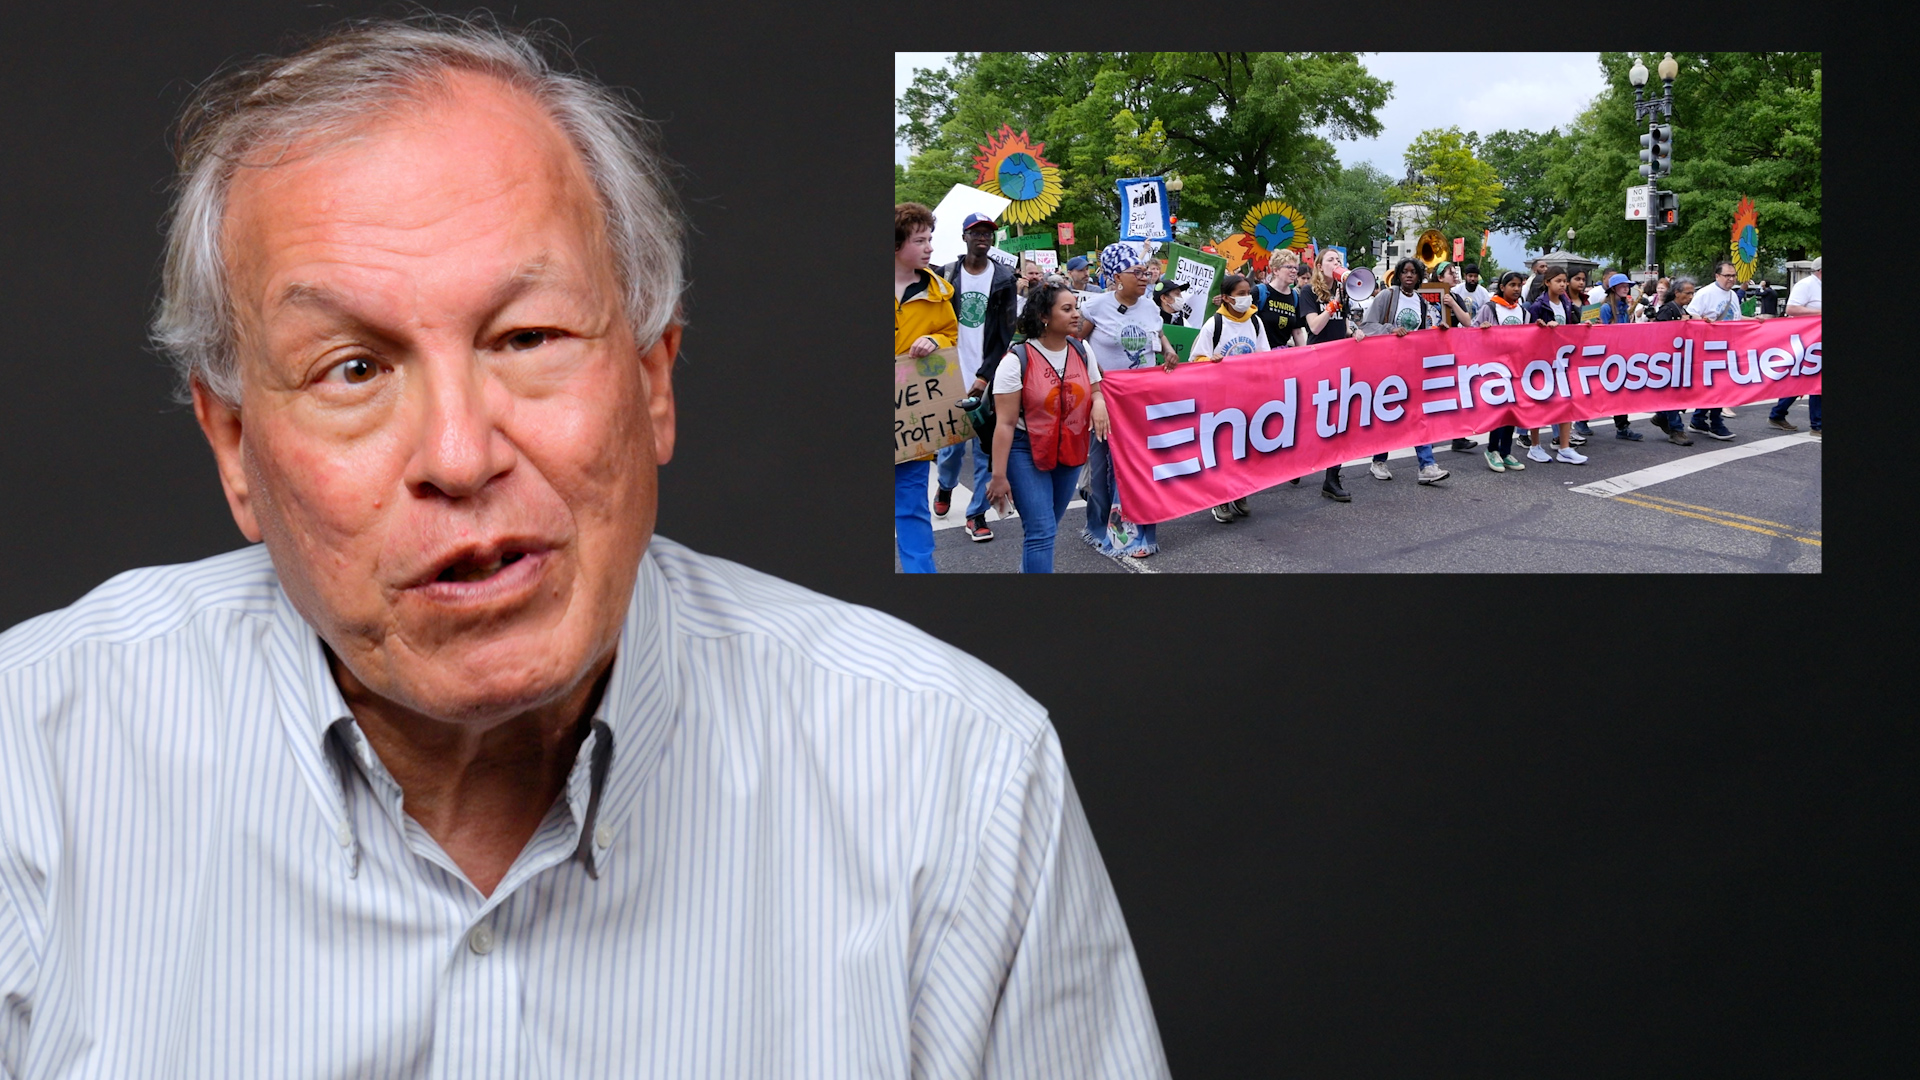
(458, 445)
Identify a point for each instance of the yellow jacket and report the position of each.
(926, 312)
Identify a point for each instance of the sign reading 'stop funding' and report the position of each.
(1143, 209)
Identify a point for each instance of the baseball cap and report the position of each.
(1078, 262)
(1816, 264)
(977, 219)
(1163, 287)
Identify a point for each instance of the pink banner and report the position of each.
(1202, 434)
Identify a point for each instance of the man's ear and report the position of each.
(220, 422)
(656, 364)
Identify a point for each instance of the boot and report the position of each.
(1330, 487)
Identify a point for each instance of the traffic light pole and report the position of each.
(1653, 214)
(1656, 152)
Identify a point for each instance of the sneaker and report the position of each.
(1433, 474)
(1512, 463)
(1576, 439)
(1815, 432)
(1782, 423)
(1380, 471)
(1525, 437)
(1539, 453)
(942, 501)
(1494, 462)
(1464, 444)
(1581, 429)
(1719, 431)
(1679, 438)
(1223, 513)
(1239, 506)
(1295, 481)
(1699, 425)
(1570, 457)
(977, 530)
(1628, 434)
(1725, 413)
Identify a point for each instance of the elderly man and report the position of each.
(462, 772)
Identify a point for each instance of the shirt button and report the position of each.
(344, 834)
(603, 836)
(480, 939)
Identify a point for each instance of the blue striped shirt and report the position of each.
(802, 839)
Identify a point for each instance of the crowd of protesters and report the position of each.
(1036, 344)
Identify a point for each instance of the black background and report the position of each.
(1362, 826)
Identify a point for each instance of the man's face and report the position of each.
(1078, 277)
(978, 239)
(1285, 275)
(447, 436)
(1540, 267)
(1473, 279)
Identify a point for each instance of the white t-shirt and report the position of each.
(1807, 293)
(1006, 378)
(1715, 301)
(974, 289)
(1471, 299)
(1405, 312)
(1123, 339)
(1559, 309)
(1236, 338)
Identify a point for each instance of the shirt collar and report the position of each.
(630, 726)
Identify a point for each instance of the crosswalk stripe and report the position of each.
(1639, 478)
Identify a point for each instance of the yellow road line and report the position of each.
(1715, 520)
(1727, 513)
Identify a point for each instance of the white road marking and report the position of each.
(1639, 478)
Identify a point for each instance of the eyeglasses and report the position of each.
(1725, 275)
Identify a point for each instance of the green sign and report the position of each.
(1202, 274)
(1034, 241)
(1181, 338)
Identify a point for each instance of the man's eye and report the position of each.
(353, 372)
(523, 340)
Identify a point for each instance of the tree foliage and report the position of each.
(1236, 127)
(1449, 179)
(1350, 209)
(1528, 205)
(1744, 124)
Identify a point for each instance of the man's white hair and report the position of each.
(250, 116)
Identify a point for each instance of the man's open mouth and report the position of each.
(468, 570)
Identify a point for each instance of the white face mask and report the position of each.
(1240, 303)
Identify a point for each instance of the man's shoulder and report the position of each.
(714, 598)
(146, 604)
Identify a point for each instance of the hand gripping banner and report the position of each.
(1203, 434)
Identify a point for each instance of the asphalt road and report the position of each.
(1753, 505)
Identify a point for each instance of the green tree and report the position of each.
(1744, 124)
(1450, 179)
(1528, 204)
(1236, 127)
(1350, 209)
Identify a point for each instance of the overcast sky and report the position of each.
(1511, 90)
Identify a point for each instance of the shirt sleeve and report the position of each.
(1006, 378)
(29, 832)
(1036, 976)
(1203, 344)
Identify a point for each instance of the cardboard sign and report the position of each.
(1005, 258)
(959, 202)
(1143, 208)
(1204, 434)
(1590, 313)
(1047, 259)
(1202, 274)
(926, 399)
(1065, 232)
(1459, 248)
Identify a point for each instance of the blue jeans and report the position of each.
(912, 517)
(950, 459)
(1100, 497)
(1042, 498)
(1813, 409)
(1422, 453)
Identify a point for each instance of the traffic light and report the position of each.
(1667, 210)
(1656, 151)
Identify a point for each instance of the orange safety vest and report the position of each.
(1058, 410)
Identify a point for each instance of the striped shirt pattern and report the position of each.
(801, 839)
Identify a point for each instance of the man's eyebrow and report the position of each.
(536, 272)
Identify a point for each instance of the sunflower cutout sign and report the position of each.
(1011, 167)
(1270, 227)
(1746, 240)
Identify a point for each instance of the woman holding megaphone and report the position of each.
(1323, 305)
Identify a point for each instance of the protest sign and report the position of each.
(960, 201)
(1590, 313)
(1047, 259)
(1201, 273)
(1204, 434)
(1065, 230)
(926, 399)
(1028, 242)
(1143, 208)
(1181, 338)
(1005, 258)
